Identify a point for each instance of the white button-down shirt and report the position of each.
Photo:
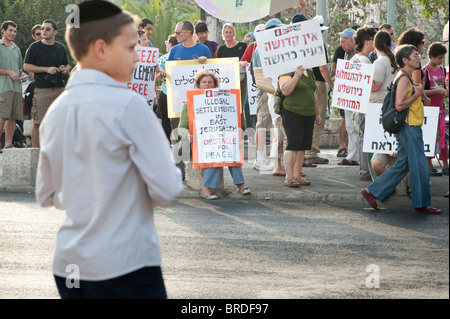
(104, 159)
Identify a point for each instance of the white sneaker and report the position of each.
(264, 165)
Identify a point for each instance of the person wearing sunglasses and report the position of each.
(36, 33)
(188, 49)
(47, 59)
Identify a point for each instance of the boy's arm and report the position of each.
(45, 189)
(150, 152)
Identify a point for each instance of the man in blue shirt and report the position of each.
(188, 49)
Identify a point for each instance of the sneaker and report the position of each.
(445, 171)
(435, 172)
(264, 165)
(209, 197)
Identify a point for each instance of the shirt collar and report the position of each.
(13, 45)
(92, 76)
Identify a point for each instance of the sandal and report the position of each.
(303, 181)
(347, 162)
(307, 163)
(291, 183)
(342, 152)
(318, 160)
(6, 147)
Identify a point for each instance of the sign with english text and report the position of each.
(352, 86)
(144, 75)
(181, 76)
(285, 48)
(215, 123)
(376, 140)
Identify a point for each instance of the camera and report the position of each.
(52, 78)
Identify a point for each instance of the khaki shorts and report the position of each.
(386, 158)
(42, 100)
(263, 117)
(11, 105)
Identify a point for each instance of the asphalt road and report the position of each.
(255, 249)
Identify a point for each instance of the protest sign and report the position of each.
(252, 89)
(352, 86)
(144, 76)
(215, 123)
(181, 75)
(376, 140)
(284, 48)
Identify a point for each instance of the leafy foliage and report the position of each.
(164, 14)
(27, 13)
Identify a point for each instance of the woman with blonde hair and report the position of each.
(232, 48)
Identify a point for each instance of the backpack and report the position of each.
(392, 119)
(28, 99)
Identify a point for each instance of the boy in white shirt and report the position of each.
(106, 161)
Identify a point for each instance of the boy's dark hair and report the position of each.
(6, 24)
(386, 26)
(79, 39)
(383, 42)
(413, 36)
(436, 49)
(404, 51)
(361, 35)
(53, 23)
(144, 22)
(201, 27)
(34, 28)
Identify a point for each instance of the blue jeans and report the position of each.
(410, 158)
(211, 176)
(144, 283)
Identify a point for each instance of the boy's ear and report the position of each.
(99, 48)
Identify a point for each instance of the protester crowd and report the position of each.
(46, 64)
(111, 215)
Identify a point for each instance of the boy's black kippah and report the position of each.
(94, 10)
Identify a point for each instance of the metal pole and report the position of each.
(391, 13)
(321, 10)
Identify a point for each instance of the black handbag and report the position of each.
(392, 119)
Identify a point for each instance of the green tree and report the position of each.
(27, 13)
(164, 14)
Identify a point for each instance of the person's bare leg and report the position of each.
(9, 131)
(299, 164)
(35, 136)
(289, 162)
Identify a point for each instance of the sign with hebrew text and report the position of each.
(181, 77)
(352, 86)
(376, 140)
(285, 48)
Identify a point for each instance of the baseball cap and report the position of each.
(298, 18)
(273, 23)
(260, 27)
(320, 19)
(347, 33)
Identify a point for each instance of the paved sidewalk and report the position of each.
(329, 183)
